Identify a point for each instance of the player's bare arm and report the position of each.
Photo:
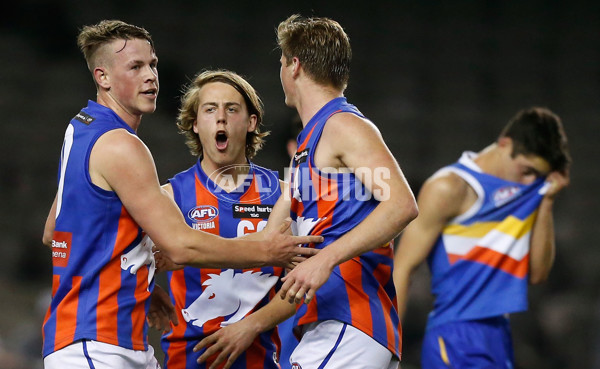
(279, 215)
(542, 247)
(49, 226)
(122, 163)
(349, 141)
(231, 341)
(440, 199)
(161, 311)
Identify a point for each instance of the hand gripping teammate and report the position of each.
(108, 191)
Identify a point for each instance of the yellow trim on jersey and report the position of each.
(511, 226)
(443, 352)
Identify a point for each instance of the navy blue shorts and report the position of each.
(485, 343)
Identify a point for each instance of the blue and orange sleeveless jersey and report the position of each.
(480, 262)
(207, 299)
(102, 274)
(359, 291)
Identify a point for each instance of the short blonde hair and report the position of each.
(321, 45)
(91, 38)
(188, 111)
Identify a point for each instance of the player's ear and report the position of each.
(295, 66)
(101, 77)
(505, 142)
(252, 123)
(195, 126)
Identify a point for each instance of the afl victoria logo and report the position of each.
(203, 213)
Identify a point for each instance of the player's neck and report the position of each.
(227, 176)
(312, 97)
(132, 120)
(491, 160)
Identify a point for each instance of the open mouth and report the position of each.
(222, 140)
(151, 92)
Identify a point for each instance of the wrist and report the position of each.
(254, 324)
(328, 257)
(548, 200)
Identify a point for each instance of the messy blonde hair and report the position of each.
(188, 111)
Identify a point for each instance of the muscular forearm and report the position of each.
(205, 250)
(542, 247)
(401, 281)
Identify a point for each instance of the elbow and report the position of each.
(412, 213)
(538, 278)
(176, 254)
(47, 239)
(174, 250)
(405, 213)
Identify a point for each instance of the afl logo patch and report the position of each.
(296, 366)
(203, 213)
(505, 194)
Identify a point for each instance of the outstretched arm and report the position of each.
(350, 142)
(542, 247)
(439, 200)
(122, 163)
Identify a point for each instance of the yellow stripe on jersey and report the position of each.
(511, 226)
(443, 352)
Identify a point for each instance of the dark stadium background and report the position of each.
(436, 77)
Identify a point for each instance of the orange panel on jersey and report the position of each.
(360, 310)
(138, 315)
(496, 260)
(66, 315)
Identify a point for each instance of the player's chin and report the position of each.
(148, 110)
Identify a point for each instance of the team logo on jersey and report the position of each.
(303, 226)
(257, 211)
(203, 213)
(140, 256)
(84, 118)
(505, 194)
(229, 295)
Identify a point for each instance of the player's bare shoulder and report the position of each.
(451, 193)
(117, 152)
(350, 139)
(349, 126)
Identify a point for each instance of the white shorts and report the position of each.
(98, 355)
(331, 344)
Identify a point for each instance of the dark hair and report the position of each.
(321, 45)
(538, 131)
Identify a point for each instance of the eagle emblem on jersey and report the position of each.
(139, 256)
(229, 294)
